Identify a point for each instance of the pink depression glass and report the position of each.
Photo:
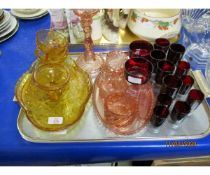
(122, 107)
(88, 61)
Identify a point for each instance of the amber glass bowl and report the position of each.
(55, 91)
(51, 46)
(43, 103)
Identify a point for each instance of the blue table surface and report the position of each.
(17, 56)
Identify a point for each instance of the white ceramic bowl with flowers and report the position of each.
(150, 24)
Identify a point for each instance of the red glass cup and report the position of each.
(163, 68)
(182, 68)
(138, 71)
(175, 52)
(171, 85)
(162, 44)
(195, 98)
(140, 48)
(155, 57)
(180, 110)
(159, 116)
(164, 100)
(187, 83)
(142, 61)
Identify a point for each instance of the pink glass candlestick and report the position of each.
(88, 61)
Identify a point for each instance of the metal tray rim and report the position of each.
(113, 139)
(119, 138)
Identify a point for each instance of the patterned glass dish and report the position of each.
(122, 107)
(54, 92)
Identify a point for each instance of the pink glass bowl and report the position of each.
(122, 107)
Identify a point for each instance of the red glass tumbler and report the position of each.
(159, 116)
(171, 85)
(182, 68)
(187, 83)
(163, 68)
(175, 52)
(155, 57)
(164, 100)
(140, 48)
(195, 98)
(162, 44)
(180, 110)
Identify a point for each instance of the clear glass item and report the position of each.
(124, 108)
(89, 61)
(196, 23)
(58, 21)
(47, 90)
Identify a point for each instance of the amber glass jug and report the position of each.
(55, 91)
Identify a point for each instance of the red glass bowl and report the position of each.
(138, 70)
(140, 48)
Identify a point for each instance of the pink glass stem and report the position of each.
(86, 21)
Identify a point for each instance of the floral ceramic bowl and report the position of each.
(155, 23)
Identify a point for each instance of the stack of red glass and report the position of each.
(170, 73)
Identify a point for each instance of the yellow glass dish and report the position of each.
(54, 91)
(68, 107)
